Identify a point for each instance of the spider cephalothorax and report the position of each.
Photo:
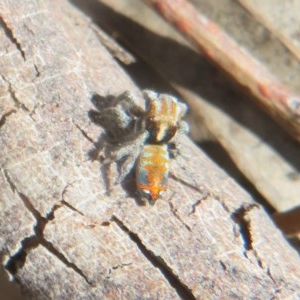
(142, 137)
(163, 116)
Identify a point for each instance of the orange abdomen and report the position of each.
(152, 170)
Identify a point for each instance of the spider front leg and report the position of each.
(112, 119)
(129, 152)
(127, 103)
(183, 127)
(174, 149)
(119, 120)
(174, 146)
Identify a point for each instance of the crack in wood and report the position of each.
(4, 116)
(175, 214)
(194, 206)
(224, 205)
(49, 246)
(17, 261)
(72, 207)
(116, 267)
(37, 71)
(116, 50)
(223, 265)
(268, 271)
(185, 183)
(66, 203)
(197, 203)
(120, 266)
(85, 135)
(9, 33)
(13, 95)
(33, 111)
(105, 223)
(239, 218)
(182, 290)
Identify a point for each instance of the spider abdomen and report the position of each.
(152, 171)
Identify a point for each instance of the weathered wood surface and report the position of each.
(62, 236)
(261, 150)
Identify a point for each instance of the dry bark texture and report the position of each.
(62, 235)
(262, 151)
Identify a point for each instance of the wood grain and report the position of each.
(63, 236)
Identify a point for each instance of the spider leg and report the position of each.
(128, 106)
(128, 165)
(150, 95)
(130, 151)
(116, 153)
(174, 149)
(131, 158)
(119, 117)
(127, 103)
(183, 109)
(183, 127)
(174, 145)
(112, 117)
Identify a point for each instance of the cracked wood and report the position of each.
(63, 235)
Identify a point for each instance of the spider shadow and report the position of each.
(201, 77)
(129, 185)
(100, 103)
(100, 153)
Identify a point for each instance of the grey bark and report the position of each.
(62, 236)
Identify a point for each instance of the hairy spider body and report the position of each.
(142, 137)
(163, 116)
(152, 171)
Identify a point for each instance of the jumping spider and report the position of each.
(144, 137)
